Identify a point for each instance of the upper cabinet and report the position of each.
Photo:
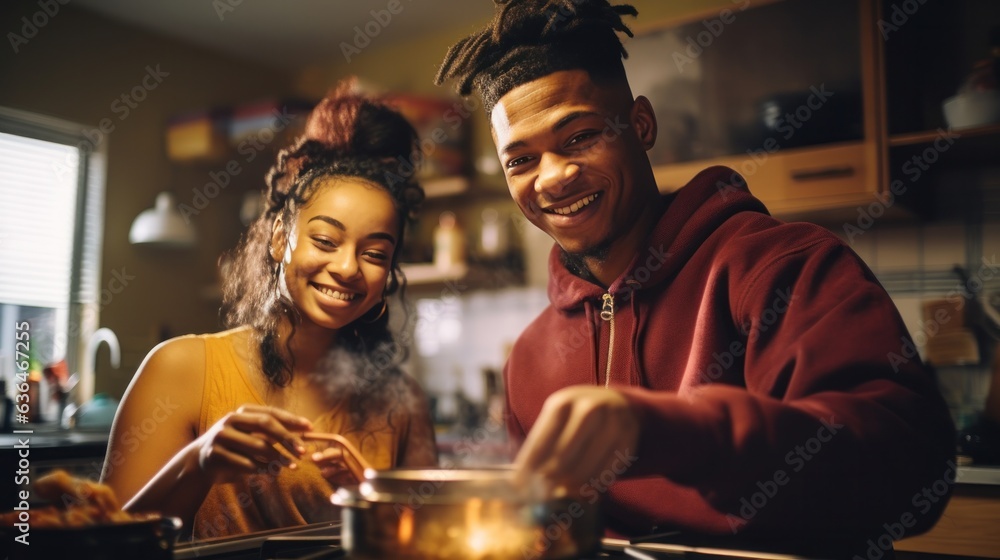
(783, 92)
(942, 110)
(805, 98)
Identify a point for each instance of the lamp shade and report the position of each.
(162, 225)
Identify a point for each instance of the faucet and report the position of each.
(103, 334)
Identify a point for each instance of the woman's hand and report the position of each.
(334, 468)
(578, 433)
(341, 463)
(249, 440)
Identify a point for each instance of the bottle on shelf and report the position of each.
(449, 242)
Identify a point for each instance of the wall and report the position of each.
(75, 68)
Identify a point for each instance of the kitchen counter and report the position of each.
(79, 452)
(61, 438)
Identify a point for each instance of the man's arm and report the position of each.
(839, 417)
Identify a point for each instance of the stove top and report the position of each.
(313, 542)
(322, 541)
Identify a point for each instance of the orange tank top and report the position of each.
(276, 496)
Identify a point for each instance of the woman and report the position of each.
(211, 427)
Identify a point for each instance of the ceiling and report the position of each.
(291, 32)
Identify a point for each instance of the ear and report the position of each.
(278, 240)
(644, 121)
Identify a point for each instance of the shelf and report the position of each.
(445, 186)
(927, 136)
(420, 273)
(964, 148)
(425, 277)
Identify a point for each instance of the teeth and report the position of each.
(336, 294)
(572, 208)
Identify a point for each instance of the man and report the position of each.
(704, 365)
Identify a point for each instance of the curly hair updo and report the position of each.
(346, 135)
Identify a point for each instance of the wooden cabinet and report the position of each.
(928, 49)
(785, 93)
(820, 105)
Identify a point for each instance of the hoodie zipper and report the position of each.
(608, 314)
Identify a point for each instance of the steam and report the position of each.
(369, 384)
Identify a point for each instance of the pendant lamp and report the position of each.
(162, 226)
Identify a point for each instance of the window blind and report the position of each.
(38, 194)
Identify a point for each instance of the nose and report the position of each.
(344, 264)
(554, 174)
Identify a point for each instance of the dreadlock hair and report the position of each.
(529, 39)
(346, 135)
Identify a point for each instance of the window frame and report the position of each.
(83, 298)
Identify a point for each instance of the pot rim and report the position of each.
(445, 485)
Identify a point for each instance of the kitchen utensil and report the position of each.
(353, 458)
(463, 514)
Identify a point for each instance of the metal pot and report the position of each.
(461, 514)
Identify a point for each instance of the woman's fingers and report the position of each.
(333, 466)
(291, 421)
(253, 437)
(330, 454)
(257, 447)
(221, 459)
(277, 426)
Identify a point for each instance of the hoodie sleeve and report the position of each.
(840, 428)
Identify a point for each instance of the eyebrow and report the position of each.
(340, 225)
(560, 124)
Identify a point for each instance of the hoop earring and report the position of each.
(380, 313)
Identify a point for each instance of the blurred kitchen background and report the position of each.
(835, 112)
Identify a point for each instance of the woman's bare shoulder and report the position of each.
(185, 355)
(181, 355)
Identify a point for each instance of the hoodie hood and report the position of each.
(691, 215)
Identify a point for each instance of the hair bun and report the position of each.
(344, 125)
(350, 124)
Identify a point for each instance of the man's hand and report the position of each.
(577, 433)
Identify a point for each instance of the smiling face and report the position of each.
(339, 252)
(574, 156)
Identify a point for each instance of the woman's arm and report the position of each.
(150, 454)
(156, 459)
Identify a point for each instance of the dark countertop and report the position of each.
(79, 452)
(56, 438)
(287, 544)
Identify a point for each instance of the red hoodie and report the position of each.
(778, 390)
